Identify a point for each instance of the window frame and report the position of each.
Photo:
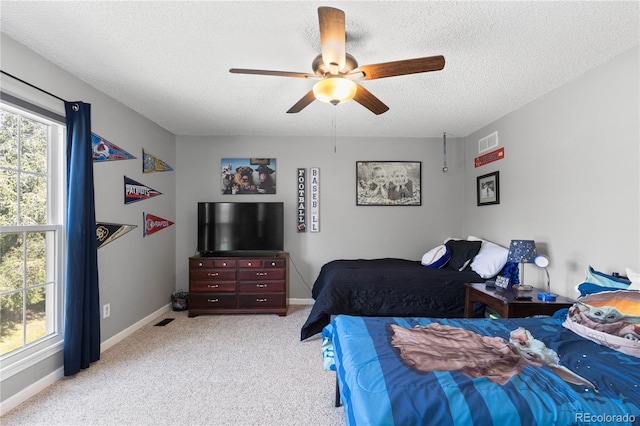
(32, 353)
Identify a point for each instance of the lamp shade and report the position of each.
(334, 90)
(522, 251)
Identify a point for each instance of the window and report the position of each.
(31, 237)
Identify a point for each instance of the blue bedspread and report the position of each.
(377, 388)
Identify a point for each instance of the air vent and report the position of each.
(488, 142)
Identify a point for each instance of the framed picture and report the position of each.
(488, 189)
(248, 175)
(388, 183)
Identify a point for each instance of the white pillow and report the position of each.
(634, 277)
(436, 257)
(490, 259)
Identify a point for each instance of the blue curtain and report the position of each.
(82, 303)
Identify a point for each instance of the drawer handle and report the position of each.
(261, 285)
(261, 274)
(224, 263)
(199, 263)
(213, 285)
(261, 300)
(212, 274)
(273, 263)
(249, 263)
(213, 300)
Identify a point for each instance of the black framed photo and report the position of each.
(488, 189)
(388, 183)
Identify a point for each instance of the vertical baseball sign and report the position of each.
(302, 200)
(315, 199)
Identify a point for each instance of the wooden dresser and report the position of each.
(255, 284)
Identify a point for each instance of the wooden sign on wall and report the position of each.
(490, 157)
(302, 200)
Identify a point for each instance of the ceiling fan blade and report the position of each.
(332, 38)
(395, 68)
(274, 73)
(302, 103)
(370, 102)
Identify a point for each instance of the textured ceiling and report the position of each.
(169, 60)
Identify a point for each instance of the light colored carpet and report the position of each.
(207, 370)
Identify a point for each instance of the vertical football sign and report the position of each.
(302, 200)
(315, 199)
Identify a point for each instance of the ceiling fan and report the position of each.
(338, 71)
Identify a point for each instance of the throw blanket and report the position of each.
(438, 347)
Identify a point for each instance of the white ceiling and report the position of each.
(169, 60)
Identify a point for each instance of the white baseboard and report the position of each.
(132, 329)
(293, 301)
(32, 390)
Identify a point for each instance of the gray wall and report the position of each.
(136, 274)
(570, 177)
(569, 180)
(346, 230)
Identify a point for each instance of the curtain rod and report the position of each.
(31, 85)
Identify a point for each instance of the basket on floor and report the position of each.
(180, 301)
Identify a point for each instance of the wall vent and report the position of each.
(488, 142)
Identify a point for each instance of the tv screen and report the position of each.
(229, 227)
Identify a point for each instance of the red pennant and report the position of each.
(153, 224)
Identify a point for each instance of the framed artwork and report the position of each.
(488, 189)
(248, 175)
(388, 183)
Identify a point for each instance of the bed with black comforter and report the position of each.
(386, 287)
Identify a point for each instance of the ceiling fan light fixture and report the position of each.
(335, 90)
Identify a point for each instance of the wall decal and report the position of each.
(248, 175)
(103, 150)
(153, 224)
(302, 200)
(107, 232)
(135, 191)
(315, 199)
(152, 164)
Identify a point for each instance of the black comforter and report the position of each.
(385, 287)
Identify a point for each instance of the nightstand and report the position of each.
(505, 304)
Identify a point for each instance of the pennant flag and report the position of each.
(153, 224)
(107, 232)
(152, 164)
(103, 150)
(135, 191)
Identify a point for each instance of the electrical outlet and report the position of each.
(106, 310)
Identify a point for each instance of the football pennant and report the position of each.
(152, 164)
(107, 232)
(103, 150)
(153, 224)
(135, 191)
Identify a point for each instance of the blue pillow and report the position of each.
(436, 257)
(604, 280)
(590, 288)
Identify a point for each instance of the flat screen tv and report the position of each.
(240, 227)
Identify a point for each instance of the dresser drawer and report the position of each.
(213, 274)
(261, 287)
(212, 301)
(274, 263)
(212, 286)
(257, 301)
(208, 263)
(262, 274)
(250, 263)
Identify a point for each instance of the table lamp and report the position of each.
(542, 261)
(522, 251)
